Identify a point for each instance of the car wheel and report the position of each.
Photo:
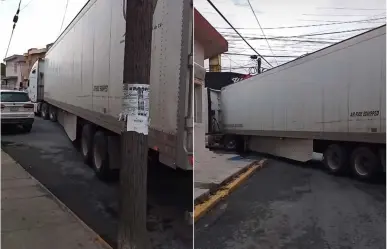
(364, 163)
(44, 111)
(336, 159)
(87, 142)
(100, 158)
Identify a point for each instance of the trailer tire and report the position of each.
(38, 109)
(336, 159)
(87, 143)
(229, 142)
(27, 127)
(53, 113)
(44, 111)
(100, 159)
(240, 144)
(364, 163)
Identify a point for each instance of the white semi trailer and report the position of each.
(82, 78)
(332, 101)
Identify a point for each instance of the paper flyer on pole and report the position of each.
(136, 107)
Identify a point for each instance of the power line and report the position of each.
(278, 56)
(224, 18)
(287, 40)
(331, 21)
(312, 25)
(234, 62)
(15, 19)
(342, 8)
(305, 35)
(64, 15)
(256, 18)
(332, 15)
(25, 6)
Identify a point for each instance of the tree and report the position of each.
(133, 176)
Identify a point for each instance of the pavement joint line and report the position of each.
(203, 208)
(23, 198)
(18, 187)
(40, 226)
(14, 178)
(65, 208)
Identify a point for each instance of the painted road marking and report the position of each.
(202, 208)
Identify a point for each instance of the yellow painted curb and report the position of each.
(202, 208)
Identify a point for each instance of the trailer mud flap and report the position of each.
(69, 123)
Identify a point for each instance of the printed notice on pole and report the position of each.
(136, 107)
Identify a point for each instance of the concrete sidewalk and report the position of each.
(33, 218)
(214, 168)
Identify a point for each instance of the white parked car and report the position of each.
(17, 109)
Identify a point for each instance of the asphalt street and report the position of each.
(285, 205)
(48, 155)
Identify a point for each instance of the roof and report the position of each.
(14, 57)
(213, 42)
(9, 77)
(12, 91)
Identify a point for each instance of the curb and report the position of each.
(231, 183)
(65, 208)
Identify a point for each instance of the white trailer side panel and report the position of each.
(85, 72)
(86, 63)
(315, 95)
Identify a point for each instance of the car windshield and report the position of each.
(14, 97)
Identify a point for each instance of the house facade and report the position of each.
(208, 43)
(18, 68)
(15, 67)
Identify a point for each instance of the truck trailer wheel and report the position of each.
(38, 109)
(44, 111)
(53, 113)
(87, 142)
(27, 127)
(336, 159)
(364, 163)
(100, 157)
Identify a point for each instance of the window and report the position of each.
(14, 97)
(15, 67)
(34, 71)
(198, 103)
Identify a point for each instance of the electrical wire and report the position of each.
(64, 15)
(224, 18)
(312, 25)
(331, 15)
(233, 61)
(278, 56)
(259, 24)
(15, 19)
(342, 8)
(9, 43)
(314, 20)
(25, 6)
(285, 38)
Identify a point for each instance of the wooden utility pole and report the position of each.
(132, 233)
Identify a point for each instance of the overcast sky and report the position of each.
(275, 14)
(40, 22)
